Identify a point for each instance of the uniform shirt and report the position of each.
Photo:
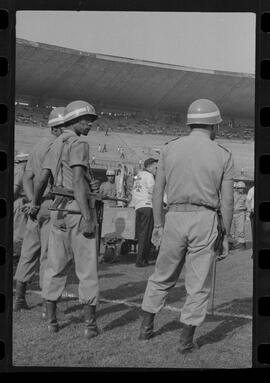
(38, 155)
(143, 190)
(67, 151)
(109, 190)
(250, 199)
(194, 167)
(239, 202)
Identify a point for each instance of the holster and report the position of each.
(218, 245)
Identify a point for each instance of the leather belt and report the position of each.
(190, 207)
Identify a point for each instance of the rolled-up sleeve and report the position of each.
(229, 168)
(79, 154)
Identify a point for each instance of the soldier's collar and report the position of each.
(199, 132)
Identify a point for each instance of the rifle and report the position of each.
(67, 193)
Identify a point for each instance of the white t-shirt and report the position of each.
(143, 190)
(250, 199)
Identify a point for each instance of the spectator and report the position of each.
(122, 154)
(142, 199)
(250, 210)
(93, 160)
(99, 147)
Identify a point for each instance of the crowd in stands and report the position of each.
(133, 122)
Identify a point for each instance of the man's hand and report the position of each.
(95, 185)
(87, 227)
(157, 236)
(33, 211)
(225, 251)
(25, 208)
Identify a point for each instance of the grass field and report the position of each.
(136, 146)
(225, 339)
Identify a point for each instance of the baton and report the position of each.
(213, 285)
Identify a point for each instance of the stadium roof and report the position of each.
(47, 72)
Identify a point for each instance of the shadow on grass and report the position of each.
(170, 326)
(110, 275)
(134, 289)
(222, 330)
(125, 290)
(128, 317)
(67, 321)
(227, 325)
(240, 306)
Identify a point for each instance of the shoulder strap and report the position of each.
(174, 139)
(223, 147)
(59, 161)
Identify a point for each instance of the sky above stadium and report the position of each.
(224, 41)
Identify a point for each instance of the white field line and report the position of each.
(167, 307)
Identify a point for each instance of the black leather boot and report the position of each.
(51, 316)
(20, 301)
(147, 326)
(91, 330)
(186, 344)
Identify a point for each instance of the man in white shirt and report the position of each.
(250, 208)
(142, 199)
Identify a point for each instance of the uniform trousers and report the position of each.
(238, 226)
(188, 238)
(35, 246)
(144, 229)
(66, 242)
(19, 220)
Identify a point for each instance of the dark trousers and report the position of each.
(144, 228)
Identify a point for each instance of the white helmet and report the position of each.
(79, 108)
(56, 117)
(241, 185)
(21, 157)
(110, 172)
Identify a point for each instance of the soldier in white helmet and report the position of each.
(239, 217)
(195, 171)
(35, 242)
(108, 188)
(72, 236)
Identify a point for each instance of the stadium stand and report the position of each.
(135, 122)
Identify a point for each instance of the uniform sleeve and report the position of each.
(161, 159)
(79, 154)
(229, 168)
(50, 160)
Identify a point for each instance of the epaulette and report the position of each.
(223, 147)
(174, 139)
